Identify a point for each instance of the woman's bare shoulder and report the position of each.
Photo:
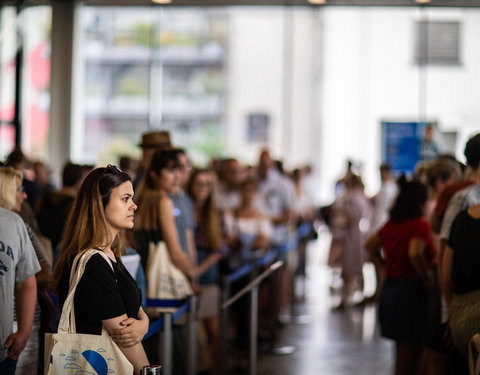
(165, 202)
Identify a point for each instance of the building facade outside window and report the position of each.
(149, 68)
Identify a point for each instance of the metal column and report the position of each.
(192, 337)
(253, 329)
(167, 344)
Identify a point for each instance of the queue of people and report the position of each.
(418, 232)
(212, 221)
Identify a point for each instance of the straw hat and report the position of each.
(156, 139)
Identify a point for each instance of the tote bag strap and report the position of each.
(473, 354)
(67, 319)
(84, 257)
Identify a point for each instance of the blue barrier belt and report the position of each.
(268, 257)
(303, 230)
(154, 328)
(288, 246)
(244, 270)
(158, 324)
(240, 272)
(182, 310)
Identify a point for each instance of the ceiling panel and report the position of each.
(389, 3)
(383, 3)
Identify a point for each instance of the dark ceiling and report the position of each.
(221, 3)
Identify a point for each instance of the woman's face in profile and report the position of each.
(168, 179)
(120, 209)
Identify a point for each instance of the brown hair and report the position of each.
(148, 211)
(86, 226)
(149, 195)
(443, 170)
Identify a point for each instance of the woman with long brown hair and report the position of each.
(104, 296)
(208, 241)
(156, 214)
(155, 222)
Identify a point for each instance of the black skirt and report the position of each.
(402, 310)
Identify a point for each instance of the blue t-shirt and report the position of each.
(184, 217)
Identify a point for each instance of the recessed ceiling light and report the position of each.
(161, 1)
(422, 1)
(317, 2)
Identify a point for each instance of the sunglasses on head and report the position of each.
(113, 169)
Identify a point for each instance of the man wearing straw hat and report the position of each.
(151, 142)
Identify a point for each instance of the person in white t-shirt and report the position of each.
(381, 204)
(228, 194)
(18, 266)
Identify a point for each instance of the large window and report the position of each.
(7, 79)
(149, 68)
(28, 32)
(35, 118)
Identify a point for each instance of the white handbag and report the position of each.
(68, 352)
(164, 280)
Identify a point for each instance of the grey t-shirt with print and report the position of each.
(17, 263)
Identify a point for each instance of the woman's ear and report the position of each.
(153, 175)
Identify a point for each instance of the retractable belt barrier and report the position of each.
(267, 263)
(167, 319)
(165, 323)
(169, 303)
(252, 288)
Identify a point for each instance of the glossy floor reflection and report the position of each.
(334, 342)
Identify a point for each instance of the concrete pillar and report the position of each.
(61, 83)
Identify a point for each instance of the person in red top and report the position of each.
(407, 255)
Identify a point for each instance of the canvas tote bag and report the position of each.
(164, 280)
(473, 355)
(68, 352)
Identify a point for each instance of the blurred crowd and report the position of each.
(418, 231)
(213, 220)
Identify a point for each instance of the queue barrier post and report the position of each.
(252, 287)
(192, 336)
(167, 339)
(165, 324)
(223, 335)
(294, 315)
(226, 282)
(253, 329)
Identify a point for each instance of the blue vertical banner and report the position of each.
(401, 145)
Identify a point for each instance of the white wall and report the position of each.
(271, 59)
(369, 75)
(328, 77)
(255, 77)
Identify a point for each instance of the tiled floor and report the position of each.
(334, 342)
